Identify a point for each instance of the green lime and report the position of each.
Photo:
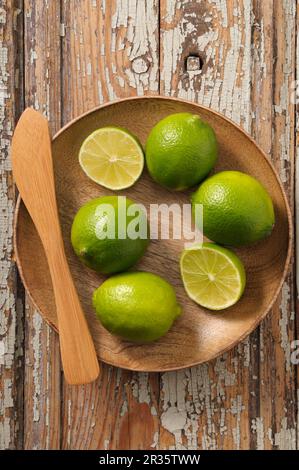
(237, 210)
(213, 276)
(112, 157)
(104, 244)
(181, 150)
(137, 306)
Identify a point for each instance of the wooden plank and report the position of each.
(11, 304)
(222, 405)
(42, 366)
(110, 50)
(273, 122)
(207, 406)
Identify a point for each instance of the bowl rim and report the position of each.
(232, 344)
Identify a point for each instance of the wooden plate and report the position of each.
(199, 335)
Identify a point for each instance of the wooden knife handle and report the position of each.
(78, 354)
(33, 173)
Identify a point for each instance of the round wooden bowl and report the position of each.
(198, 335)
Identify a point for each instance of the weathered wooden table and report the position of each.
(64, 57)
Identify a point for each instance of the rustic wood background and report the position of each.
(64, 57)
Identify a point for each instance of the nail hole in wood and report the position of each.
(193, 63)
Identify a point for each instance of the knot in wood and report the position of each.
(140, 65)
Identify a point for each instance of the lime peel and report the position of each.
(136, 306)
(213, 276)
(112, 157)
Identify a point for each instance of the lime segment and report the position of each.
(112, 157)
(213, 276)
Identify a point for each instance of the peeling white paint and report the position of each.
(47, 413)
(227, 92)
(155, 440)
(62, 30)
(33, 56)
(236, 409)
(69, 422)
(36, 345)
(2, 352)
(141, 34)
(100, 92)
(282, 107)
(124, 408)
(221, 8)
(89, 69)
(174, 416)
(8, 398)
(257, 427)
(189, 398)
(8, 323)
(284, 324)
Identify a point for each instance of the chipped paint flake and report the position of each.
(284, 324)
(285, 439)
(154, 445)
(257, 427)
(236, 409)
(37, 324)
(69, 422)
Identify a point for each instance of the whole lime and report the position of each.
(106, 241)
(137, 306)
(213, 276)
(181, 150)
(237, 209)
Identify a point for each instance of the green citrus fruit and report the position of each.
(237, 210)
(137, 306)
(101, 242)
(181, 150)
(213, 276)
(112, 157)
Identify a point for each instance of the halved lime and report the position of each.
(213, 276)
(112, 157)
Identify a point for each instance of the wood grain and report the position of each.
(42, 393)
(295, 101)
(222, 36)
(11, 298)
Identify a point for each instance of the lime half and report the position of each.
(112, 157)
(213, 276)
